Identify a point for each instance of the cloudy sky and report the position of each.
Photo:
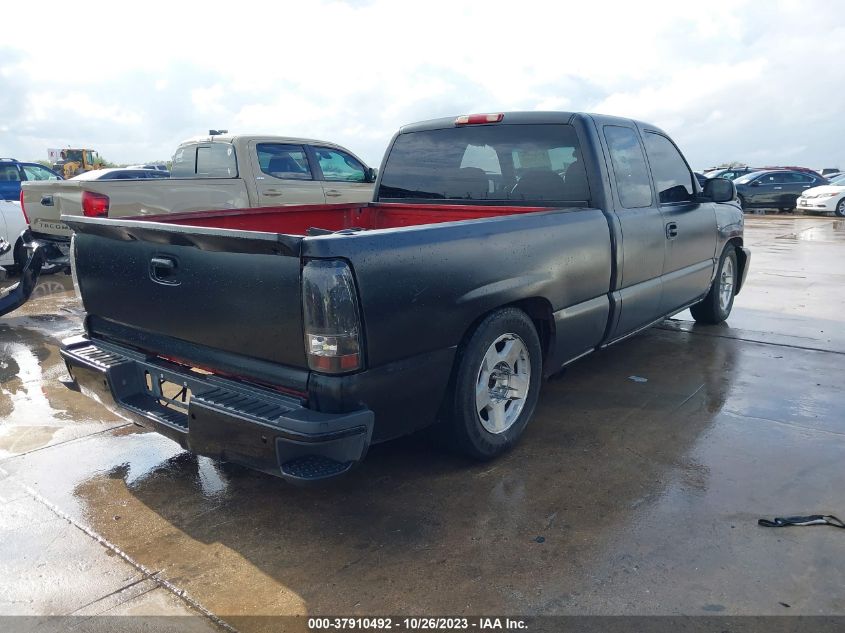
(759, 82)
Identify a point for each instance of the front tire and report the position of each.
(840, 209)
(496, 384)
(717, 305)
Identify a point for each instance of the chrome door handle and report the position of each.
(333, 193)
(778, 187)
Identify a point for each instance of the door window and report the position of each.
(9, 173)
(288, 162)
(36, 172)
(629, 168)
(340, 166)
(671, 174)
(794, 176)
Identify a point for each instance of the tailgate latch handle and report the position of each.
(47, 201)
(162, 270)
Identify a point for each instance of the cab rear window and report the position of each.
(535, 163)
(207, 160)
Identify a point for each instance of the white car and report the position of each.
(12, 223)
(825, 199)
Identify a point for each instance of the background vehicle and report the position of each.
(491, 257)
(825, 199)
(121, 173)
(14, 172)
(215, 172)
(779, 189)
(77, 161)
(806, 170)
(12, 224)
(731, 173)
(158, 166)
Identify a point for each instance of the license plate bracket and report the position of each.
(169, 394)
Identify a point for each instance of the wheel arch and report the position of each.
(741, 260)
(538, 309)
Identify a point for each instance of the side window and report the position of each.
(799, 177)
(671, 174)
(480, 173)
(288, 162)
(36, 172)
(9, 173)
(629, 168)
(483, 157)
(184, 162)
(216, 160)
(337, 165)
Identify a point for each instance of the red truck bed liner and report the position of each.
(297, 219)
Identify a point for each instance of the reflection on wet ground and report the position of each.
(624, 497)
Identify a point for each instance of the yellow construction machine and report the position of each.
(77, 161)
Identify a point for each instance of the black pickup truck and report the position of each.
(498, 249)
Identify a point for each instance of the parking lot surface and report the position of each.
(636, 489)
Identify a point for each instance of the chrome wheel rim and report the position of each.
(841, 207)
(726, 284)
(502, 384)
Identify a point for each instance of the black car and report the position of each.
(774, 189)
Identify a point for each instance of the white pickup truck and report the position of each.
(213, 172)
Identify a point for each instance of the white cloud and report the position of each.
(749, 81)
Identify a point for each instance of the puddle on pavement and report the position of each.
(36, 407)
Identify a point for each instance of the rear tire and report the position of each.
(792, 202)
(496, 384)
(840, 208)
(717, 305)
(19, 255)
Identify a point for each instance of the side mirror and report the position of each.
(755, 183)
(720, 190)
(370, 174)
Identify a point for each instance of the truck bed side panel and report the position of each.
(423, 287)
(130, 198)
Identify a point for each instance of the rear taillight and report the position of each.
(477, 119)
(23, 209)
(95, 205)
(332, 321)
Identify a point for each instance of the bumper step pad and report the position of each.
(314, 467)
(222, 419)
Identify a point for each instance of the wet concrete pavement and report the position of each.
(625, 497)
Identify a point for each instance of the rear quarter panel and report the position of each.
(422, 288)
